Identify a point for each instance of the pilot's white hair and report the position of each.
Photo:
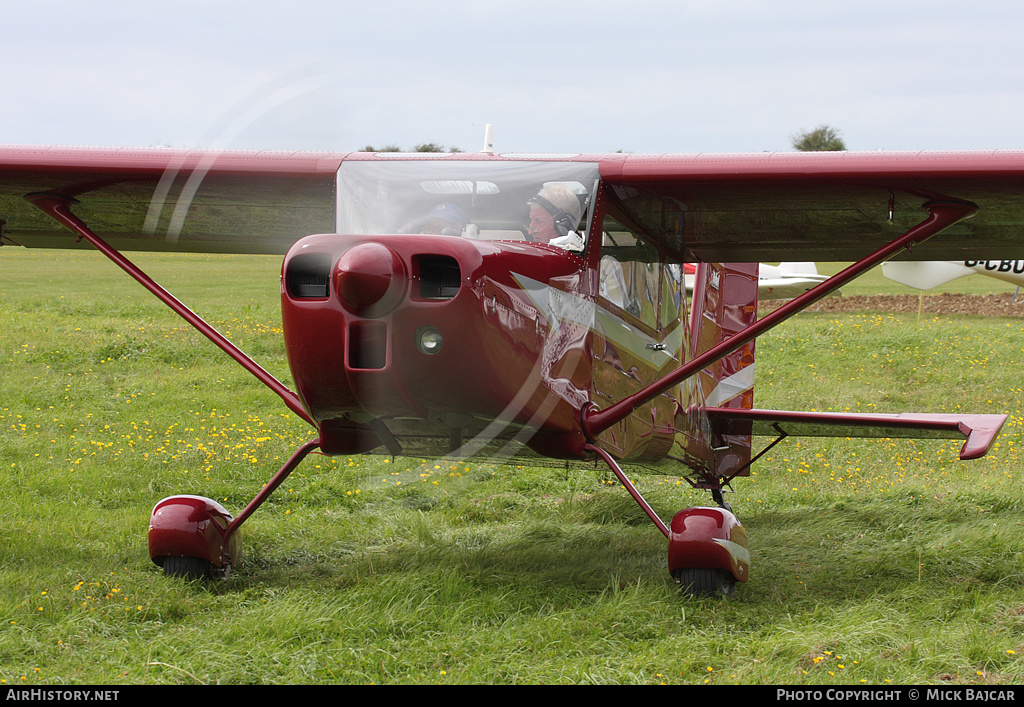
(563, 199)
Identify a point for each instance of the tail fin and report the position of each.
(797, 269)
(724, 302)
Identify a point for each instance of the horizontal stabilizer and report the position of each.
(809, 269)
(979, 431)
(779, 282)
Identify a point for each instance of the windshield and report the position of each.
(486, 199)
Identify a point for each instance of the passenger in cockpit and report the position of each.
(444, 220)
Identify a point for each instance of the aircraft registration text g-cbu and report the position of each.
(528, 308)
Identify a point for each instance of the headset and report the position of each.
(563, 219)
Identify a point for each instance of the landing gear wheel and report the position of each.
(188, 567)
(705, 582)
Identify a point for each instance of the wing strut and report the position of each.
(59, 208)
(628, 485)
(271, 486)
(941, 215)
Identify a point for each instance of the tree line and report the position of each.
(823, 138)
(422, 147)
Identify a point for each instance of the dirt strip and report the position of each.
(1001, 305)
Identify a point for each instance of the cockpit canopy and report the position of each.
(487, 200)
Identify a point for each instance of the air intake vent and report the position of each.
(367, 345)
(309, 275)
(439, 276)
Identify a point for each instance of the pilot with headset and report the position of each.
(554, 215)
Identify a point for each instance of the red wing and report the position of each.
(728, 208)
(166, 199)
(818, 206)
(978, 431)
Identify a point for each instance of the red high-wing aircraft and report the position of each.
(527, 308)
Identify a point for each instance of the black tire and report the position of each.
(705, 582)
(191, 568)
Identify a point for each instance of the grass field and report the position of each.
(874, 562)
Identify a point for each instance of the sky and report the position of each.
(642, 76)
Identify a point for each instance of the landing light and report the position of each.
(429, 340)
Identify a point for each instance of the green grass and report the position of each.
(875, 561)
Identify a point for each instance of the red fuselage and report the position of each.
(437, 339)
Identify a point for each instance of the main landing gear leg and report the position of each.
(196, 538)
(719, 498)
(707, 547)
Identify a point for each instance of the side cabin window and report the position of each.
(635, 280)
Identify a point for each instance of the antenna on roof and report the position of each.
(488, 139)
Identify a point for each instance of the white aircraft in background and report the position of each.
(782, 281)
(928, 274)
